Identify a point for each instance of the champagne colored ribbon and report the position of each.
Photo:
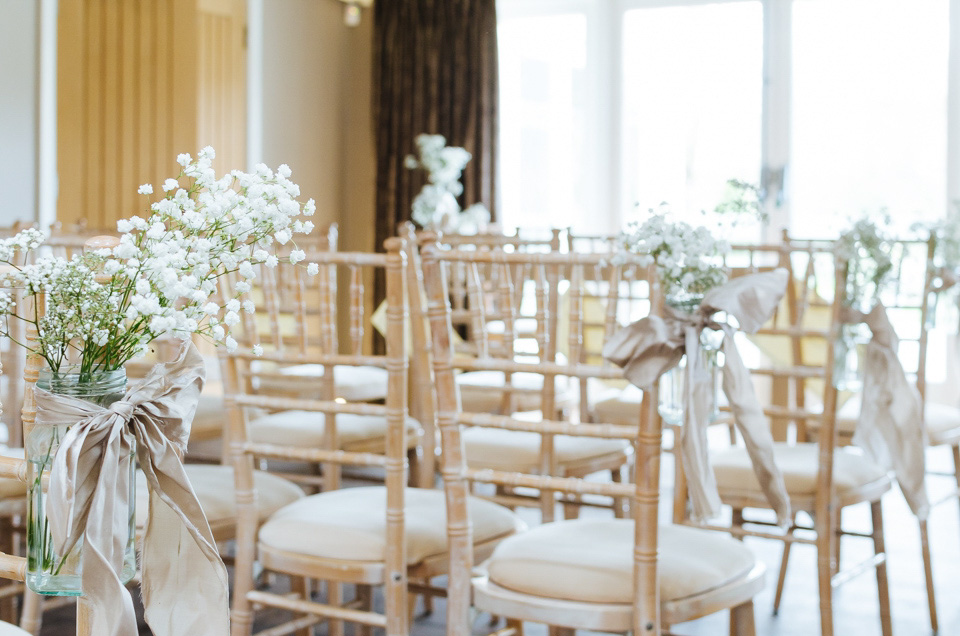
(653, 345)
(891, 413)
(184, 581)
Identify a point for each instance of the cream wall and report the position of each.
(316, 117)
(18, 110)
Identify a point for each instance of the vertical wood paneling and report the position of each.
(221, 119)
(128, 102)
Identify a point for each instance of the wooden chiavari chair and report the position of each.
(820, 478)
(574, 574)
(367, 536)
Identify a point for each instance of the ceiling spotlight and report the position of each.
(351, 14)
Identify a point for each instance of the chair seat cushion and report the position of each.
(307, 429)
(520, 451)
(6, 629)
(352, 383)
(210, 419)
(942, 421)
(591, 560)
(350, 524)
(852, 470)
(482, 391)
(622, 407)
(213, 485)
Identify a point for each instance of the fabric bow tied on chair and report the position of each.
(653, 345)
(889, 428)
(184, 581)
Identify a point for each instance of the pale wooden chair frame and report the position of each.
(824, 506)
(392, 573)
(646, 614)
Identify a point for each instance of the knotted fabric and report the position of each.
(653, 345)
(184, 582)
(891, 413)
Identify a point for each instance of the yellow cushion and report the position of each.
(592, 561)
(520, 451)
(798, 463)
(482, 391)
(6, 629)
(306, 429)
(354, 384)
(213, 485)
(350, 524)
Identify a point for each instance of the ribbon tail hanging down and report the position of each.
(697, 409)
(890, 426)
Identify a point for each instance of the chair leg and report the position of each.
(742, 621)
(782, 576)
(553, 630)
(301, 586)
(956, 464)
(928, 574)
(365, 595)
(335, 598)
(883, 589)
(824, 543)
(516, 625)
(32, 615)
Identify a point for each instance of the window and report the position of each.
(836, 107)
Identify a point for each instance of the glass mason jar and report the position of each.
(671, 385)
(848, 357)
(50, 573)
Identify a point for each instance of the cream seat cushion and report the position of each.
(6, 629)
(852, 470)
(352, 383)
(620, 408)
(306, 429)
(214, 487)
(12, 487)
(350, 524)
(210, 420)
(591, 560)
(942, 421)
(482, 391)
(520, 450)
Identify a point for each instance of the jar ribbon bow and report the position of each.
(653, 345)
(184, 581)
(890, 427)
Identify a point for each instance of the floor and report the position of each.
(856, 602)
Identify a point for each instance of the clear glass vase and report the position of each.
(848, 357)
(671, 385)
(48, 572)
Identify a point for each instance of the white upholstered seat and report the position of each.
(352, 383)
(213, 485)
(306, 429)
(855, 476)
(591, 561)
(942, 421)
(483, 391)
(6, 629)
(520, 450)
(350, 524)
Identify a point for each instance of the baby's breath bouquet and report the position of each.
(105, 305)
(689, 260)
(436, 206)
(866, 247)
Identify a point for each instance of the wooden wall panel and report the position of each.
(222, 113)
(128, 86)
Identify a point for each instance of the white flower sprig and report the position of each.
(688, 259)
(866, 247)
(105, 306)
(436, 206)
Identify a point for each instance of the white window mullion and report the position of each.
(953, 112)
(606, 50)
(776, 113)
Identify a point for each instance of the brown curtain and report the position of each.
(435, 72)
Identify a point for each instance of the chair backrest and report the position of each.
(548, 270)
(290, 331)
